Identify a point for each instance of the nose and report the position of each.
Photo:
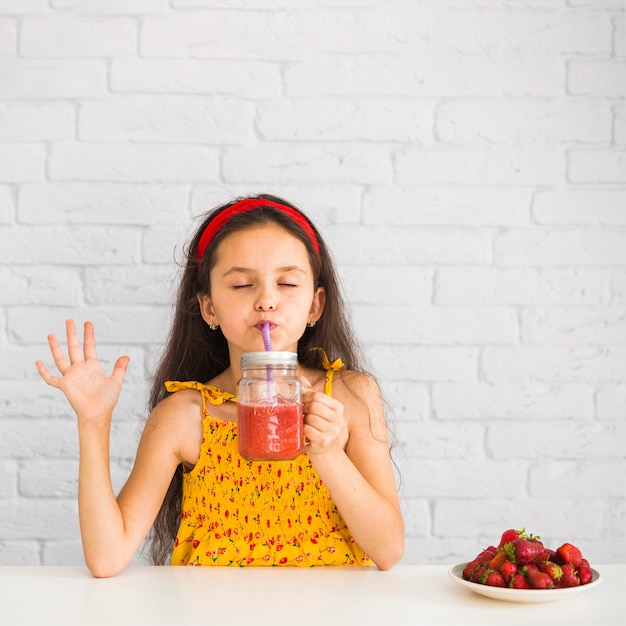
(266, 301)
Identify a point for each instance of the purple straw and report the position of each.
(265, 332)
(267, 342)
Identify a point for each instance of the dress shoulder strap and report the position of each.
(214, 395)
(330, 368)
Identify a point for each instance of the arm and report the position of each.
(111, 529)
(351, 455)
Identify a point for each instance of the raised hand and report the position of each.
(92, 393)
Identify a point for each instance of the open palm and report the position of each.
(89, 390)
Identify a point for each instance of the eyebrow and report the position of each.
(247, 270)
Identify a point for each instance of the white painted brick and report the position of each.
(482, 165)
(37, 439)
(123, 7)
(139, 284)
(611, 403)
(544, 247)
(568, 206)
(436, 325)
(437, 440)
(126, 324)
(325, 119)
(46, 517)
(393, 285)
(538, 286)
(68, 78)
(326, 205)
(559, 521)
(69, 36)
(619, 36)
(481, 477)
(36, 121)
(8, 38)
(48, 479)
(334, 163)
(163, 244)
(559, 364)
(398, 246)
(619, 128)
(597, 4)
(597, 166)
(602, 442)
(22, 399)
(511, 401)
(16, 7)
(75, 245)
(421, 364)
(228, 77)
(7, 204)
(63, 553)
(423, 205)
(19, 553)
(39, 285)
(618, 286)
(407, 401)
(597, 78)
(523, 122)
(102, 203)
(8, 484)
(417, 521)
(167, 119)
(423, 77)
(131, 162)
(579, 326)
(21, 162)
(577, 479)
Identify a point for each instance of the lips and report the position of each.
(260, 325)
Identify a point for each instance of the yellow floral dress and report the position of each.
(238, 512)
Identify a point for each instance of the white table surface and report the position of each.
(321, 596)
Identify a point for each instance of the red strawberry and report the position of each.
(510, 535)
(486, 555)
(478, 574)
(568, 553)
(547, 555)
(538, 579)
(569, 578)
(508, 570)
(584, 572)
(493, 579)
(527, 550)
(519, 582)
(552, 569)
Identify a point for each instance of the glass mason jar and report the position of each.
(269, 407)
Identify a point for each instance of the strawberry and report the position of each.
(510, 535)
(527, 549)
(478, 574)
(584, 572)
(486, 555)
(508, 570)
(538, 579)
(569, 578)
(493, 579)
(498, 561)
(568, 553)
(547, 555)
(519, 582)
(552, 569)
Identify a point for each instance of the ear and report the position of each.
(206, 309)
(317, 306)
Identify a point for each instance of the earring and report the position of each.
(213, 326)
(311, 323)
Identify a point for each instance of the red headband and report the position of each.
(243, 206)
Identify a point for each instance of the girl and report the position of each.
(253, 261)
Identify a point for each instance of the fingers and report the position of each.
(73, 345)
(119, 369)
(49, 378)
(89, 342)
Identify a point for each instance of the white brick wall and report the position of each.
(465, 160)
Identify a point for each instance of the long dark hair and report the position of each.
(194, 352)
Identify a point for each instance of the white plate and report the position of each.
(521, 595)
